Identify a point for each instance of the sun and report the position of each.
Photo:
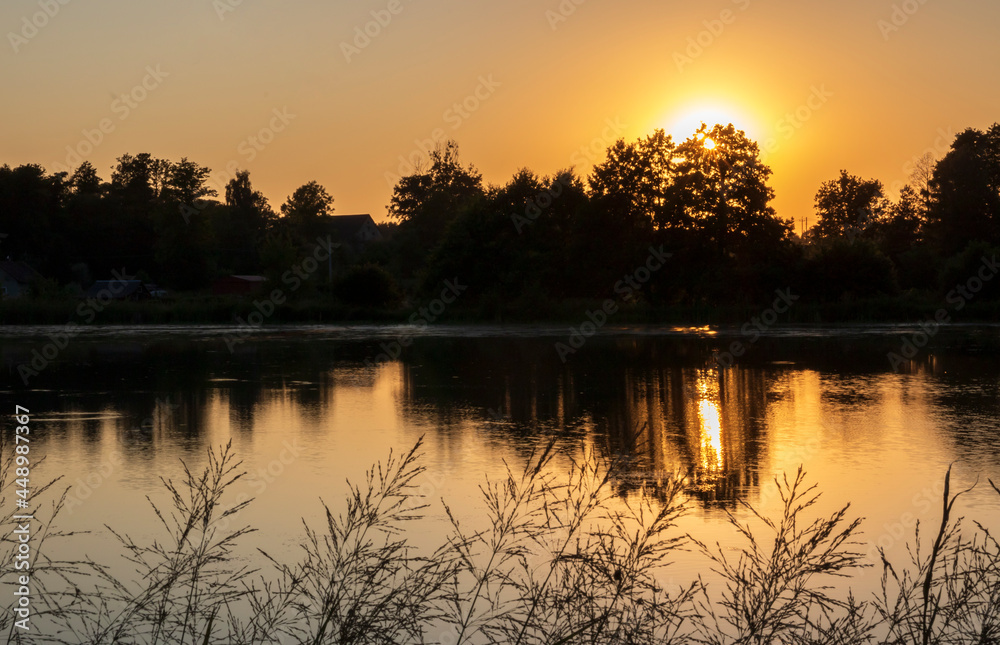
(708, 143)
(684, 121)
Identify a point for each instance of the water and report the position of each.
(308, 407)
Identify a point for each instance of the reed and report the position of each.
(562, 559)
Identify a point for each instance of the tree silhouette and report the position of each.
(185, 183)
(721, 189)
(183, 247)
(85, 180)
(533, 240)
(242, 225)
(848, 206)
(631, 184)
(431, 200)
(965, 192)
(304, 211)
(140, 178)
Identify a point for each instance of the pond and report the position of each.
(308, 407)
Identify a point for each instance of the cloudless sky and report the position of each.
(864, 85)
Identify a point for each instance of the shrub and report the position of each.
(368, 285)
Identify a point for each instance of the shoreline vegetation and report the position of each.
(658, 231)
(237, 311)
(567, 558)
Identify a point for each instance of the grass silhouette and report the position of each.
(563, 559)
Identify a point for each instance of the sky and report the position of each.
(351, 93)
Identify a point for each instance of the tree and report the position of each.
(242, 224)
(185, 183)
(184, 237)
(720, 189)
(965, 192)
(921, 178)
(512, 241)
(32, 217)
(899, 229)
(85, 180)
(845, 270)
(241, 196)
(425, 203)
(368, 285)
(849, 205)
(140, 178)
(304, 210)
(631, 184)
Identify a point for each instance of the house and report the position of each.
(118, 290)
(238, 285)
(16, 278)
(353, 231)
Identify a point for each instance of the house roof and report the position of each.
(19, 271)
(348, 226)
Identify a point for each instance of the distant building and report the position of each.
(353, 231)
(16, 278)
(238, 285)
(118, 290)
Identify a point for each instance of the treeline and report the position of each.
(535, 240)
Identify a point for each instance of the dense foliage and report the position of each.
(533, 241)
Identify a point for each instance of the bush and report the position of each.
(368, 285)
(967, 265)
(847, 270)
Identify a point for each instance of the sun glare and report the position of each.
(684, 122)
(709, 144)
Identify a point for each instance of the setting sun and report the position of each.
(684, 122)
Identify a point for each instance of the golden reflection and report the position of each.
(711, 436)
(709, 425)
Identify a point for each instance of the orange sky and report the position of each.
(290, 92)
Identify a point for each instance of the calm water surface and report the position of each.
(308, 407)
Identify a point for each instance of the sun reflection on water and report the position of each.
(711, 437)
(711, 458)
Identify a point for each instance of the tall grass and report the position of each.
(562, 559)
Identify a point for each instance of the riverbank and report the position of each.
(225, 310)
